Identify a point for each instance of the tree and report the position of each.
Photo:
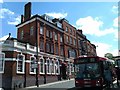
(108, 55)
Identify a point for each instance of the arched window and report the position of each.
(20, 63)
(32, 65)
(2, 62)
(42, 66)
(52, 65)
(57, 68)
(48, 66)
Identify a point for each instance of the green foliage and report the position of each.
(108, 55)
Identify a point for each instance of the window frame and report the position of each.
(3, 63)
(43, 66)
(23, 64)
(30, 65)
(41, 30)
(48, 65)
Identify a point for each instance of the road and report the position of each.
(62, 85)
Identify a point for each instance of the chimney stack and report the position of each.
(22, 18)
(27, 11)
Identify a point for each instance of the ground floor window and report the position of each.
(48, 66)
(33, 64)
(57, 68)
(52, 66)
(42, 66)
(2, 61)
(20, 63)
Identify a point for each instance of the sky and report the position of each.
(98, 20)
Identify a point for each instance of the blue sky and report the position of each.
(98, 20)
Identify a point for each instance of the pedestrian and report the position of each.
(118, 74)
(108, 77)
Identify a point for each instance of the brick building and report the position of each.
(50, 45)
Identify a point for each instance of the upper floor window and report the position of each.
(61, 38)
(66, 29)
(70, 40)
(67, 39)
(20, 63)
(31, 30)
(32, 64)
(41, 30)
(52, 48)
(74, 42)
(71, 30)
(61, 50)
(51, 34)
(22, 33)
(41, 45)
(47, 33)
(56, 48)
(2, 61)
(56, 36)
(47, 47)
(41, 66)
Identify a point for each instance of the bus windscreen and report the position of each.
(87, 70)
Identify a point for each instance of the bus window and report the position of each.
(87, 70)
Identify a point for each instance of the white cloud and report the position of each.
(57, 15)
(116, 22)
(15, 21)
(5, 12)
(104, 48)
(11, 17)
(4, 38)
(92, 26)
(1, 1)
(115, 9)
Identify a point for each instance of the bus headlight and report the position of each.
(98, 83)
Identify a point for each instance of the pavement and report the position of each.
(62, 85)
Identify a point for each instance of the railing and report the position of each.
(30, 47)
(20, 45)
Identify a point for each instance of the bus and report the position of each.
(89, 71)
(117, 61)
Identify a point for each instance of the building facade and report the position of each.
(43, 51)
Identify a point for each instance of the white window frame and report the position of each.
(57, 67)
(53, 66)
(56, 36)
(48, 65)
(30, 65)
(23, 64)
(61, 38)
(43, 66)
(42, 30)
(3, 62)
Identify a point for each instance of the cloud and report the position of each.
(92, 26)
(115, 9)
(104, 48)
(1, 1)
(12, 18)
(4, 38)
(5, 12)
(57, 15)
(15, 21)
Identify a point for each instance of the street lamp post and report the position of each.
(37, 83)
